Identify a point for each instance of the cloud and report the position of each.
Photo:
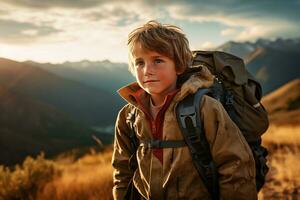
(18, 32)
(252, 33)
(47, 4)
(93, 33)
(118, 16)
(238, 8)
(98, 28)
(272, 30)
(3, 12)
(68, 25)
(228, 32)
(208, 45)
(234, 12)
(257, 17)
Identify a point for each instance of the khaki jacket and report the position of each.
(175, 177)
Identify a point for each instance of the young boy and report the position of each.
(158, 54)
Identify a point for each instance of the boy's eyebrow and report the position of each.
(138, 59)
(157, 56)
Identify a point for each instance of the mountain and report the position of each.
(242, 49)
(104, 75)
(273, 63)
(236, 48)
(274, 67)
(84, 103)
(28, 127)
(283, 104)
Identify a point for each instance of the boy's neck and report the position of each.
(158, 101)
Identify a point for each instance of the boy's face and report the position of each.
(155, 73)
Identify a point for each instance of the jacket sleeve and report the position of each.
(121, 154)
(230, 151)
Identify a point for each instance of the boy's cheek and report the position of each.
(139, 77)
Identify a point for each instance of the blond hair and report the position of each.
(168, 40)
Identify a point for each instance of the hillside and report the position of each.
(84, 103)
(273, 67)
(104, 75)
(28, 127)
(283, 105)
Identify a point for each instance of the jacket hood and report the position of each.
(203, 78)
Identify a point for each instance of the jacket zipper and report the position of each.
(153, 128)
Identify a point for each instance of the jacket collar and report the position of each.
(201, 79)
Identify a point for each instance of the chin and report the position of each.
(151, 92)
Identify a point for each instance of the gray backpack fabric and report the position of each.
(236, 88)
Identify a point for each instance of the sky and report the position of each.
(72, 30)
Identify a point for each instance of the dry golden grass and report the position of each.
(89, 178)
(278, 99)
(282, 134)
(283, 180)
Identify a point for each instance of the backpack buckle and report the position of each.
(188, 113)
(229, 99)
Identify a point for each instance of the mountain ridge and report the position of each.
(63, 93)
(29, 127)
(283, 104)
(272, 62)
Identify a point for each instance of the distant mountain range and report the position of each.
(40, 111)
(84, 103)
(273, 63)
(29, 126)
(55, 107)
(104, 75)
(243, 49)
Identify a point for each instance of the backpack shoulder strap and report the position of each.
(188, 117)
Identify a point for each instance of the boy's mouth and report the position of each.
(151, 81)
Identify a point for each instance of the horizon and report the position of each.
(126, 62)
(95, 30)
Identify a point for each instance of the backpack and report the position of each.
(240, 94)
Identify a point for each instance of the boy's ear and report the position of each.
(179, 71)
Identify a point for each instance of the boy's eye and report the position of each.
(139, 63)
(158, 61)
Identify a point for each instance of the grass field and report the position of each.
(283, 180)
(90, 177)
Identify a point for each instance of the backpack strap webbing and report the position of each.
(160, 144)
(188, 117)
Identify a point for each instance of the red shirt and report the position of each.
(156, 122)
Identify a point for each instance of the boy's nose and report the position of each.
(148, 68)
